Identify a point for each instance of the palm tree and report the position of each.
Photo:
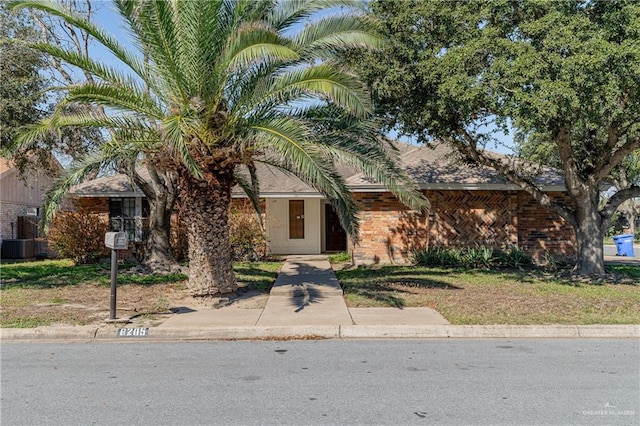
(224, 85)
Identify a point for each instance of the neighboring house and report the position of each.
(468, 206)
(21, 199)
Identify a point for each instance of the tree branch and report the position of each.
(616, 158)
(618, 198)
(471, 152)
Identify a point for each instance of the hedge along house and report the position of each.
(469, 206)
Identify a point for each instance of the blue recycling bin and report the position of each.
(624, 244)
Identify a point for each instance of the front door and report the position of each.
(336, 238)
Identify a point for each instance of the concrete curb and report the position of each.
(92, 333)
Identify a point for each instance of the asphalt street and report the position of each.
(471, 382)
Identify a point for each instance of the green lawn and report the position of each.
(498, 297)
(55, 273)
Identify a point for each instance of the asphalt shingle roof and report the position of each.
(429, 166)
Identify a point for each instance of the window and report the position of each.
(123, 217)
(296, 219)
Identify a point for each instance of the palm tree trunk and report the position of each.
(205, 204)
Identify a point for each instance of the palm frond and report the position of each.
(79, 21)
(123, 99)
(333, 34)
(291, 13)
(320, 82)
(290, 145)
(255, 43)
(176, 142)
(74, 175)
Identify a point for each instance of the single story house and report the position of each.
(469, 205)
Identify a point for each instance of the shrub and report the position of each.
(248, 239)
(514, 257)
(79, 235)
(479, 257)
(438, 256)
(473, 257)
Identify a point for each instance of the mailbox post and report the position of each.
(115, 241)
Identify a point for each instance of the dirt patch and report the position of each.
(89, 304)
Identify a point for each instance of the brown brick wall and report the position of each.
(540, 230)
(92, 204)
(389, 232)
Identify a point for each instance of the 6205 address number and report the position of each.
(133, 332)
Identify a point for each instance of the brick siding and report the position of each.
(9, 213)
(389, 232)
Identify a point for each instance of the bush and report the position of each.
(248, 239)
(79, 235)
(473, 257)
(514, 257)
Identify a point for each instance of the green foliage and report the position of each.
(340, 257)
(79, 235)
(514, 257)
(632, 271)
(483, 257)
(209, 89)
(565, 76)
(22, 98)
(234, 83)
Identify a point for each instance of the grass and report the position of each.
(257, 276)
(340, 257)
(469, 296)
(61, 273)
(55, 291)
(49, 292)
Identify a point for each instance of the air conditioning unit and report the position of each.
(18, 249)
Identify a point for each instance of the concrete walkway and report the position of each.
(305, 293)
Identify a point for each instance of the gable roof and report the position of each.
(432, 167)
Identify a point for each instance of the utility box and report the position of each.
(116, 240)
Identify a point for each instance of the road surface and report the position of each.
(422, 382)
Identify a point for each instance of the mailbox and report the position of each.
(116, 240)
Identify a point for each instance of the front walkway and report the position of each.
(305, 293)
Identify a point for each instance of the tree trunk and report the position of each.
(205, 205)
(590, 236)
(161, 194)
(158, 257)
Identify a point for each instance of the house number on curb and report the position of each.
(133, 332)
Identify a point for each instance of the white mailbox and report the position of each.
(116, 240)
